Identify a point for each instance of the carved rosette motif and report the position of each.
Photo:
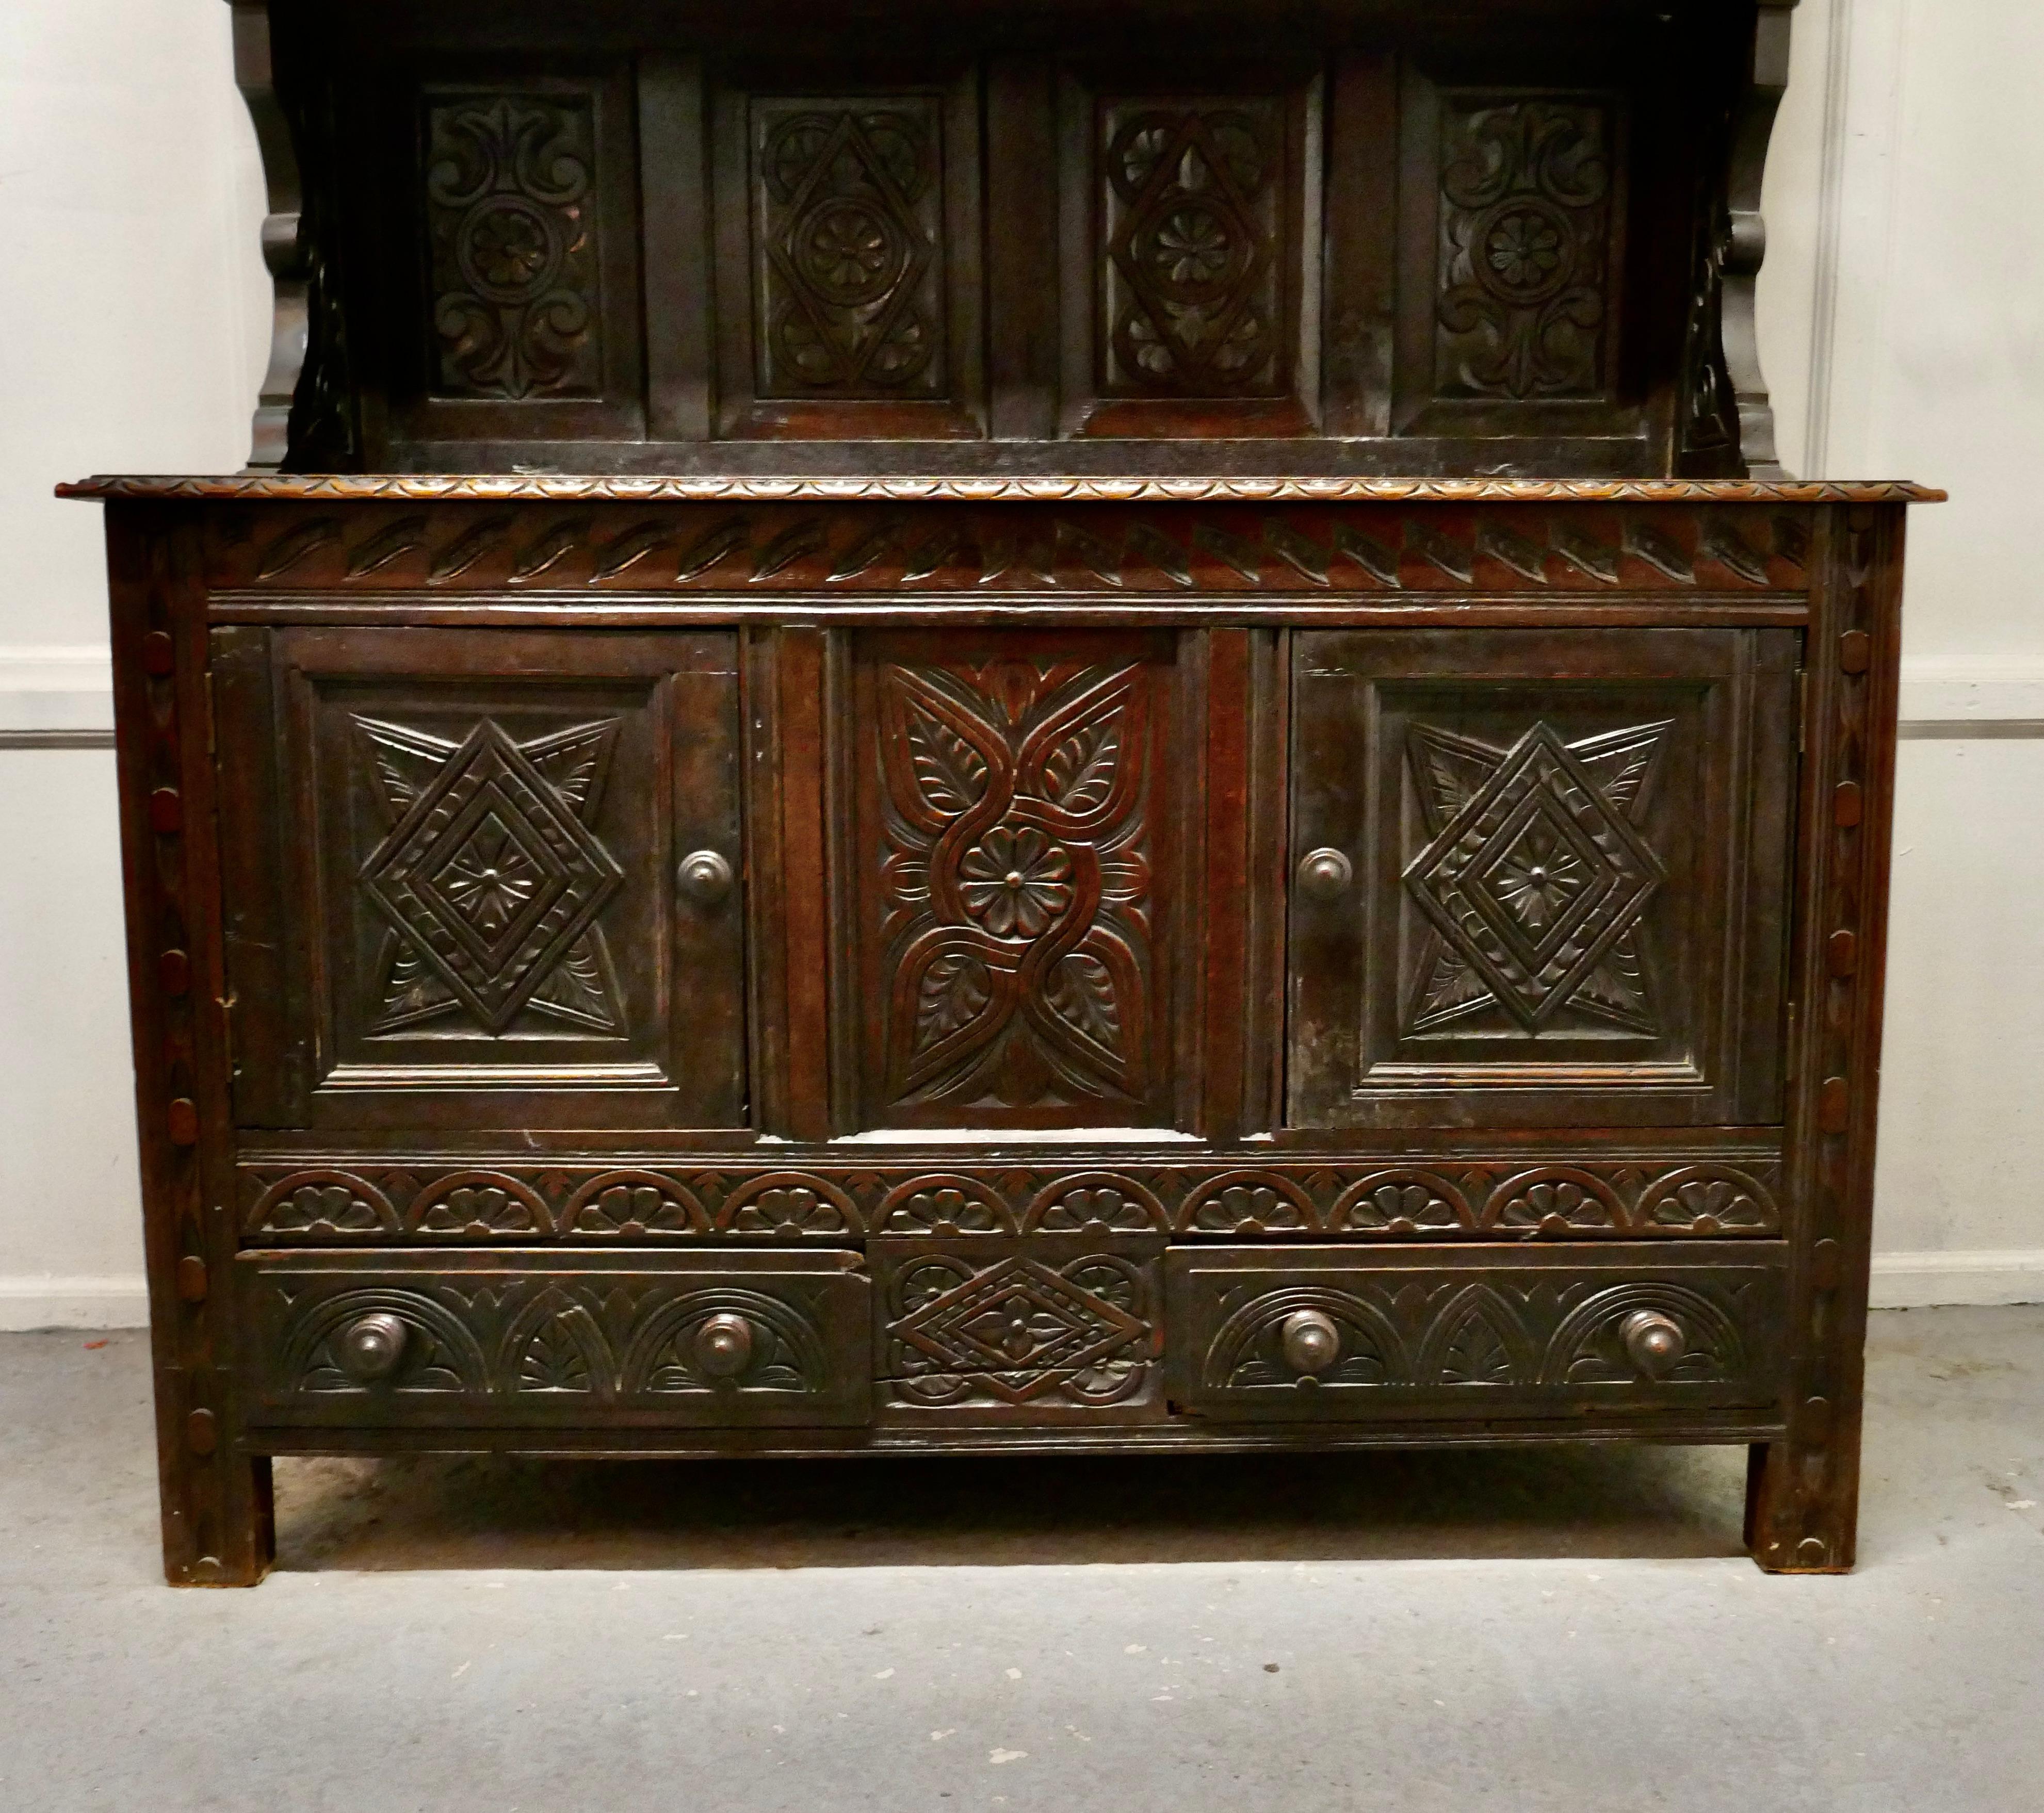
(490, 877)
(1192, 201)
(1016, 883)
(1536, 878)
(511, 234)
(1525, 233)
(850, 275)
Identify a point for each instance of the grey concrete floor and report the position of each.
(1571, 1629)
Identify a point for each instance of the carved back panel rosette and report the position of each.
(1401, 1336)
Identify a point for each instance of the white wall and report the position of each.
(1900, 330)
(132, 289)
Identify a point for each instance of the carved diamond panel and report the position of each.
(511, 239)
(849, 281)
(1192, 198)
(489, 876)
(1525, 273)
(1535, 880)
(1062, 1324)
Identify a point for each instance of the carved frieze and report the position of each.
(727, 1197)
(762, 547)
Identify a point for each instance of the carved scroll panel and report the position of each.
(1012, 870)
(518, 314)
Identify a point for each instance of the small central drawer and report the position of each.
(444, 1339)
(1335, 1333)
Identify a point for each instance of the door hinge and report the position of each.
(1802, 711)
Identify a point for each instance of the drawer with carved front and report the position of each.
(444, 1340)
(1336, 1334)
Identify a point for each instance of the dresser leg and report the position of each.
(219, 1524)
(1802, 1504)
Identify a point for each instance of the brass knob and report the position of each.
(371, 1347)
(704, 876)
(724, 1347)
(1654, 1341)
(1325, 874)
(1311, 1341)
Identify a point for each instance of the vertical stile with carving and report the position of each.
(217, 1513)
(1803, 1491)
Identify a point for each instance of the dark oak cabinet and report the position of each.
(1007, 728)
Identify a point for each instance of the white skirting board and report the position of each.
(1982, 1275)
(119, 1301)
(1901, 1281)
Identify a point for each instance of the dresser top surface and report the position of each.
(567, 487)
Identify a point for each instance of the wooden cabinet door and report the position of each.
(482, 878)
(1539, 878)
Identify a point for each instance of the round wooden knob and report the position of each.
(704, 876)
(1326, 874)
(724, 1347)
(1311, 1341)
(371, 1347)
(1654, 1341)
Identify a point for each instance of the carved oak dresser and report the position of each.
(1021, 727)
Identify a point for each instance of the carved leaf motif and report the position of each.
(1079, 773)
(950, 771)
(1081, 993)
(954, 992)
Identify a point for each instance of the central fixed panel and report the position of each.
(1012, 873)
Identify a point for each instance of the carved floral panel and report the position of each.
(848, 201)
(1525, 259)
(1010, 867)
(1192, 197)
(514, 289)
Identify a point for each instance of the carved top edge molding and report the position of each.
(562, 487)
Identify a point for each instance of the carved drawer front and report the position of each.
(1049, 1329)
(1011, 870)
(511, 1339)
(489, 876)
(1540, 878)
(1329, 1333)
